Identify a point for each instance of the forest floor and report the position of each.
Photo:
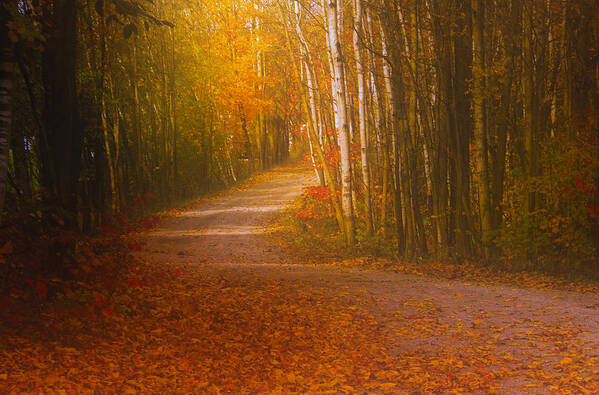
(216, 304)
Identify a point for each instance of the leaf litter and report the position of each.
(125, 325)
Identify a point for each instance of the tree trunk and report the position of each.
(6, 84)
(480, 134)
(362, 112)
(528, 96)
(62, 154)
(312, 134)
(341, 122)
(391, 117)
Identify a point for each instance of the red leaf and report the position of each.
(99, 299)
(136, 283)
(134, 246)
(42, 290)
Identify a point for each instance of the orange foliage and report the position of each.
(316, 203)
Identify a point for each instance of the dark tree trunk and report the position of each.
(6, 84)
(62, 149)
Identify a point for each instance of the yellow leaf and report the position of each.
(565, 361)
(3, 376)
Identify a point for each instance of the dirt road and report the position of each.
(441, 334)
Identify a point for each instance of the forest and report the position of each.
(424, 132)
(446, 128)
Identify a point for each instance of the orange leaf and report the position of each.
(7, 248)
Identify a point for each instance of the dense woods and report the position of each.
(454, 129)
(117, 100)
(299, 196)
(463, 129)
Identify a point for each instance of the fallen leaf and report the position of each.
(7, 248)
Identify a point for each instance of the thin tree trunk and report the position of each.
(528, 95)
(392, 134)
(380, 129)
(480, 135)
(341, 123)
(61, 162)
(6, 85)
(362, 113)
(312, 134)
(311, 91)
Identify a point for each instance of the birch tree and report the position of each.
(357, 33)
(341, 119)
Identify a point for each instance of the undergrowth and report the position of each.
(311, 232)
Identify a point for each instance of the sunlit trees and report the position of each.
(130, 97)
(332, 10)
(442, 127)
(469, 106)
(358, 32)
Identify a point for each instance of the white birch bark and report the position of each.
(312, 134)
(307, 61)
(341, 121)
(362, 112)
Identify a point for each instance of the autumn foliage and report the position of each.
(316, 204)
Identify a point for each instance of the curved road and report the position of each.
(525, 340)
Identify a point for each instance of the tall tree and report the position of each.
(480, 132)
(61, 146)
(6, 86)
(357, 33)
(341, 119)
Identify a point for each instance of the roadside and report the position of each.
(215, 304)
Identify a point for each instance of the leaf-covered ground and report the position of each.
(213, 305)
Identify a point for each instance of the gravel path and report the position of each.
(530, 341)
